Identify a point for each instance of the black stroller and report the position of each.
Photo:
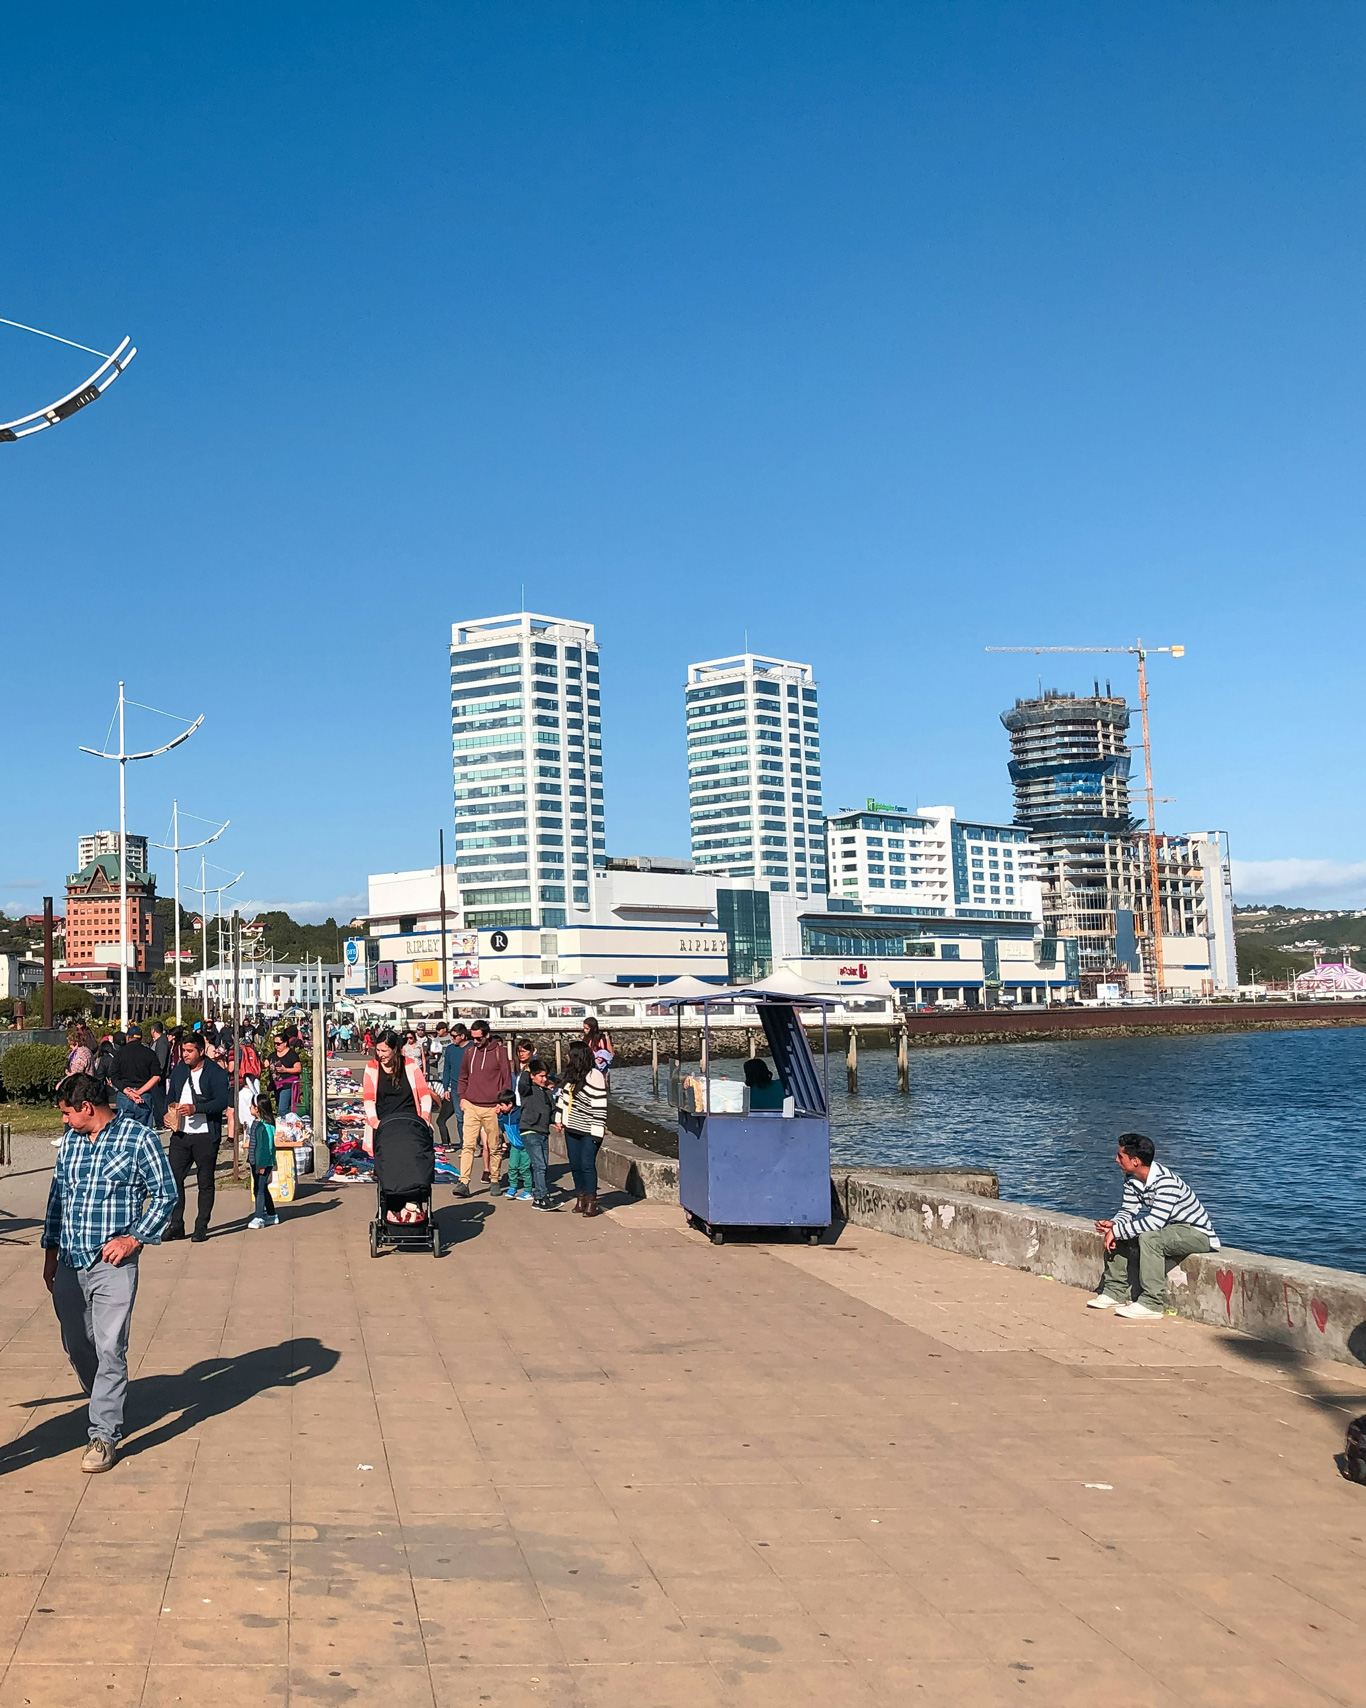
(405, 1168)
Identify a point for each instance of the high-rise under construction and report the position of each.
(1070, 767)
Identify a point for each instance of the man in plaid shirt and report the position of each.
(112, 1193)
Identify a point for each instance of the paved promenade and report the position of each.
(605, 1463)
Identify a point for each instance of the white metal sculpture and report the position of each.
(88, 390)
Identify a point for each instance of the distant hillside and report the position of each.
(1279, 942)
(292, 941)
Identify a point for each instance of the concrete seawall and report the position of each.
(1313, 1310)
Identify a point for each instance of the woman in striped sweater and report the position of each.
(585, 1124)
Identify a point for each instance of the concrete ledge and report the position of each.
(1315, 1310)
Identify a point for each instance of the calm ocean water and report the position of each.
(1268, 1127)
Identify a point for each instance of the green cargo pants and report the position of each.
(1175, 1241)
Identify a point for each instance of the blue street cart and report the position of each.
(741, 1166)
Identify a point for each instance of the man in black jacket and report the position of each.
(203, 1091)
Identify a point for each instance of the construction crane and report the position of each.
(1140, 652)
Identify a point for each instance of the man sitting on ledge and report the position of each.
(1160, 1218)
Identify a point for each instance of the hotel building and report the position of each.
(754, 772)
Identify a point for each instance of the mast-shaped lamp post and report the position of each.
(124, 757)
(177, 847)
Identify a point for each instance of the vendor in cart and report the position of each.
(393, 1086)
(765, 1089)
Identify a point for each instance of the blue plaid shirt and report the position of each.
(119, 1182)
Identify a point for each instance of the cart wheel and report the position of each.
(813, 1238)
(436, 1242)
(717, 1237)
(374, 1239)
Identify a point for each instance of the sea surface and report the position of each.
(1268, 1127)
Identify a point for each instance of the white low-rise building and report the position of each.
(270, 985)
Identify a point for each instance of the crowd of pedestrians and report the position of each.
(115, 1188)
(496, 1106)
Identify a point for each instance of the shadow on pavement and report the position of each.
(462, 1221)
(296, 1212)
(162, 1407)
(1310, 1375)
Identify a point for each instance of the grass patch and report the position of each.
(32, 1117)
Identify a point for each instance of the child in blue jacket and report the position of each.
(519, 1163)
(261, 1152)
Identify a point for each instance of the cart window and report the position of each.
(792, 1057)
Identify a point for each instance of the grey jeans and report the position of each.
(95, 1309)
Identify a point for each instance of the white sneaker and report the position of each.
(256, 1222)
(1101, 1302)
(1139, 1312)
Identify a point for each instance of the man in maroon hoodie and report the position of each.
(485, 1072)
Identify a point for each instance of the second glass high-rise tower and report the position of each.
(754, 771)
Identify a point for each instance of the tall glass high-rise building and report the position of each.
(754, 772)
(526, 743)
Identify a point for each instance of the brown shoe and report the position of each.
(99, 1456)
(590, 1205)
(580, 1199)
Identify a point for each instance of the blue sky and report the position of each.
(885, 333)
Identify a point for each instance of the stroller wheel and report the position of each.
(436, 1241)
(374, 1239)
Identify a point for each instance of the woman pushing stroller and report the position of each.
(398, 1108)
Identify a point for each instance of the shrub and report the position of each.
(30, 1073)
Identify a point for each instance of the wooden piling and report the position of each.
(559, 1057)
(851, 1061)
(654, 1061)
(751, 1044)
(903, 1059)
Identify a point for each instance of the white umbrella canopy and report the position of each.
(869, 987)
(786, 982)
(491, 993)
(403, 996)
(590, 990)
(684, 989)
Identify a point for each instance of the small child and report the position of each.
(261, 1150)
(537, 1112)
(519, 1166)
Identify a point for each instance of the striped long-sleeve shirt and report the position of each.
(1163, 1197)
(119, 1182)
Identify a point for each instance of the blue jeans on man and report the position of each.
(144, 1111)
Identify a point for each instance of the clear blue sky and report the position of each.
(884, 332)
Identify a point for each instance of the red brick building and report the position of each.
(92, 917)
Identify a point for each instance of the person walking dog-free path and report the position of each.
(585, 1124)
(1160, 1218)
(485, 1074)
(534, 1117)
(112, 1193)
(201, 1092)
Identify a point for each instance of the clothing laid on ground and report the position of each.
(1161, 1199)
(118, 1182)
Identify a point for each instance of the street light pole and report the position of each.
(123, 757)
(178, 848)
